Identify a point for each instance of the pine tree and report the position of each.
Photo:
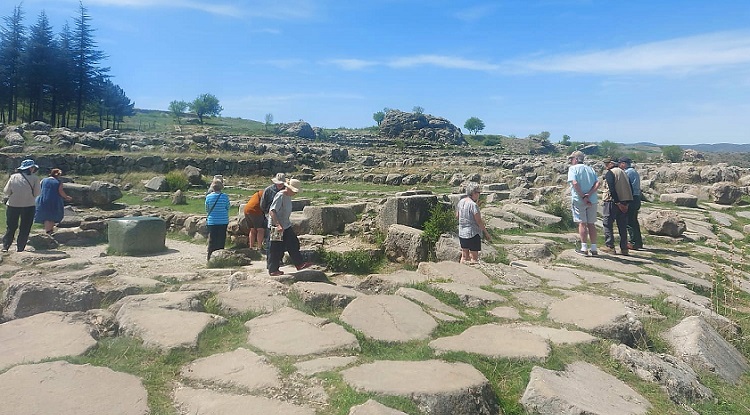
(39, 67)
(12, 42)
(87, 75)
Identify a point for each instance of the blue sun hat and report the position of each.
(27, 164)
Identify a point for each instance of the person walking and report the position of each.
(616, 196)
(282, 233)
(471, 227)
(21, 190)
(217, 210)
(583, 187)
(50, 204)
(255, 220)
(269, 193)
(635, 239)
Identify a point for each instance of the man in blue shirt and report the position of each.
(635, 240)
(583, 187)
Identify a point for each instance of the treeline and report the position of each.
(57, 79)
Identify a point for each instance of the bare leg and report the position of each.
(49, 226)
(583, 232)
(592, 232)
(474, 256)
(252, 237)
(464, 255)
(261, 235)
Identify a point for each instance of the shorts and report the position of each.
(257, 221)
(585, 213)
(472, 244)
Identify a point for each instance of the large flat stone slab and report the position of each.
(439, 387)
(42, 336)
(207, 402)
(324, 364)
(557, 336)
(240, 367)
(372, 407)
(429, 301)
(581, 389)
(458, 273)
(318, 294)
(293, 333)
(699, 344)
(388, 318)
(559, 277)
(61, 388)
(602, 316)
(495, 341)
(164, 328)
(470, 295)
(263, 298)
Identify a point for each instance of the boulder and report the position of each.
(331, 219)
(725, 193)
(96, 194)
(193, 175)
(412, 210)
(157, 184)
(680, 199)
(406, 244)
(412, 126)
(664, 222)
(137, 235)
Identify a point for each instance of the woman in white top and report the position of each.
(21, 190)
(470, 225)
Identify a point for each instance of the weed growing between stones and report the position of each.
(176, 180)
(442, 220)
(359, 261)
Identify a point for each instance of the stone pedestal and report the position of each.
(137, 235)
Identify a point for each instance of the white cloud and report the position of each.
(681, 55)
(472, 14)
(274, 9)
(450, 62)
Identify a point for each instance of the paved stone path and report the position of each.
(529, 308)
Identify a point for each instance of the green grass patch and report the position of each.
(358, 261)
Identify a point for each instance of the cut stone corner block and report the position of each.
(137, 235)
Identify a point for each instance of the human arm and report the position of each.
(63, 194)
(482, 225)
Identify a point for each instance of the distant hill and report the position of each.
(719, 148)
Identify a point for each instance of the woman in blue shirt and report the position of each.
(217, 209)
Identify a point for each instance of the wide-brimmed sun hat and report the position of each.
(279, 179)
(27, 164)
(294, 185)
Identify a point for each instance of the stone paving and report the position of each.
(528, 309)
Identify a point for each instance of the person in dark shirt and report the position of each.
(616, 196)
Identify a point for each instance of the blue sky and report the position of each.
(664, 71)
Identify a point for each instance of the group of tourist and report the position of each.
(29, 200)
(621, 196)
(268, 215)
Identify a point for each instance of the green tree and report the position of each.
(39, 67)
(177, 108)
(672, 153)
(378, 117)
(608, 148)
(115, 104)
(565, 140)
(205, 105)
(474, 125)
(12, 45)
(269, 120)
(87, 75)
(418, 110)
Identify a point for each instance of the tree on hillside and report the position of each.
(205, 105)
(474, 125)
(269, 121)
(418, 110)
(39, 67)
(673, 153)
(608, 148)
(12, 45)
(177, 108)
(378, 117)
(565, 140)
(114, 103)
(86, 72)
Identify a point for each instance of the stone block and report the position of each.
(137, 235)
